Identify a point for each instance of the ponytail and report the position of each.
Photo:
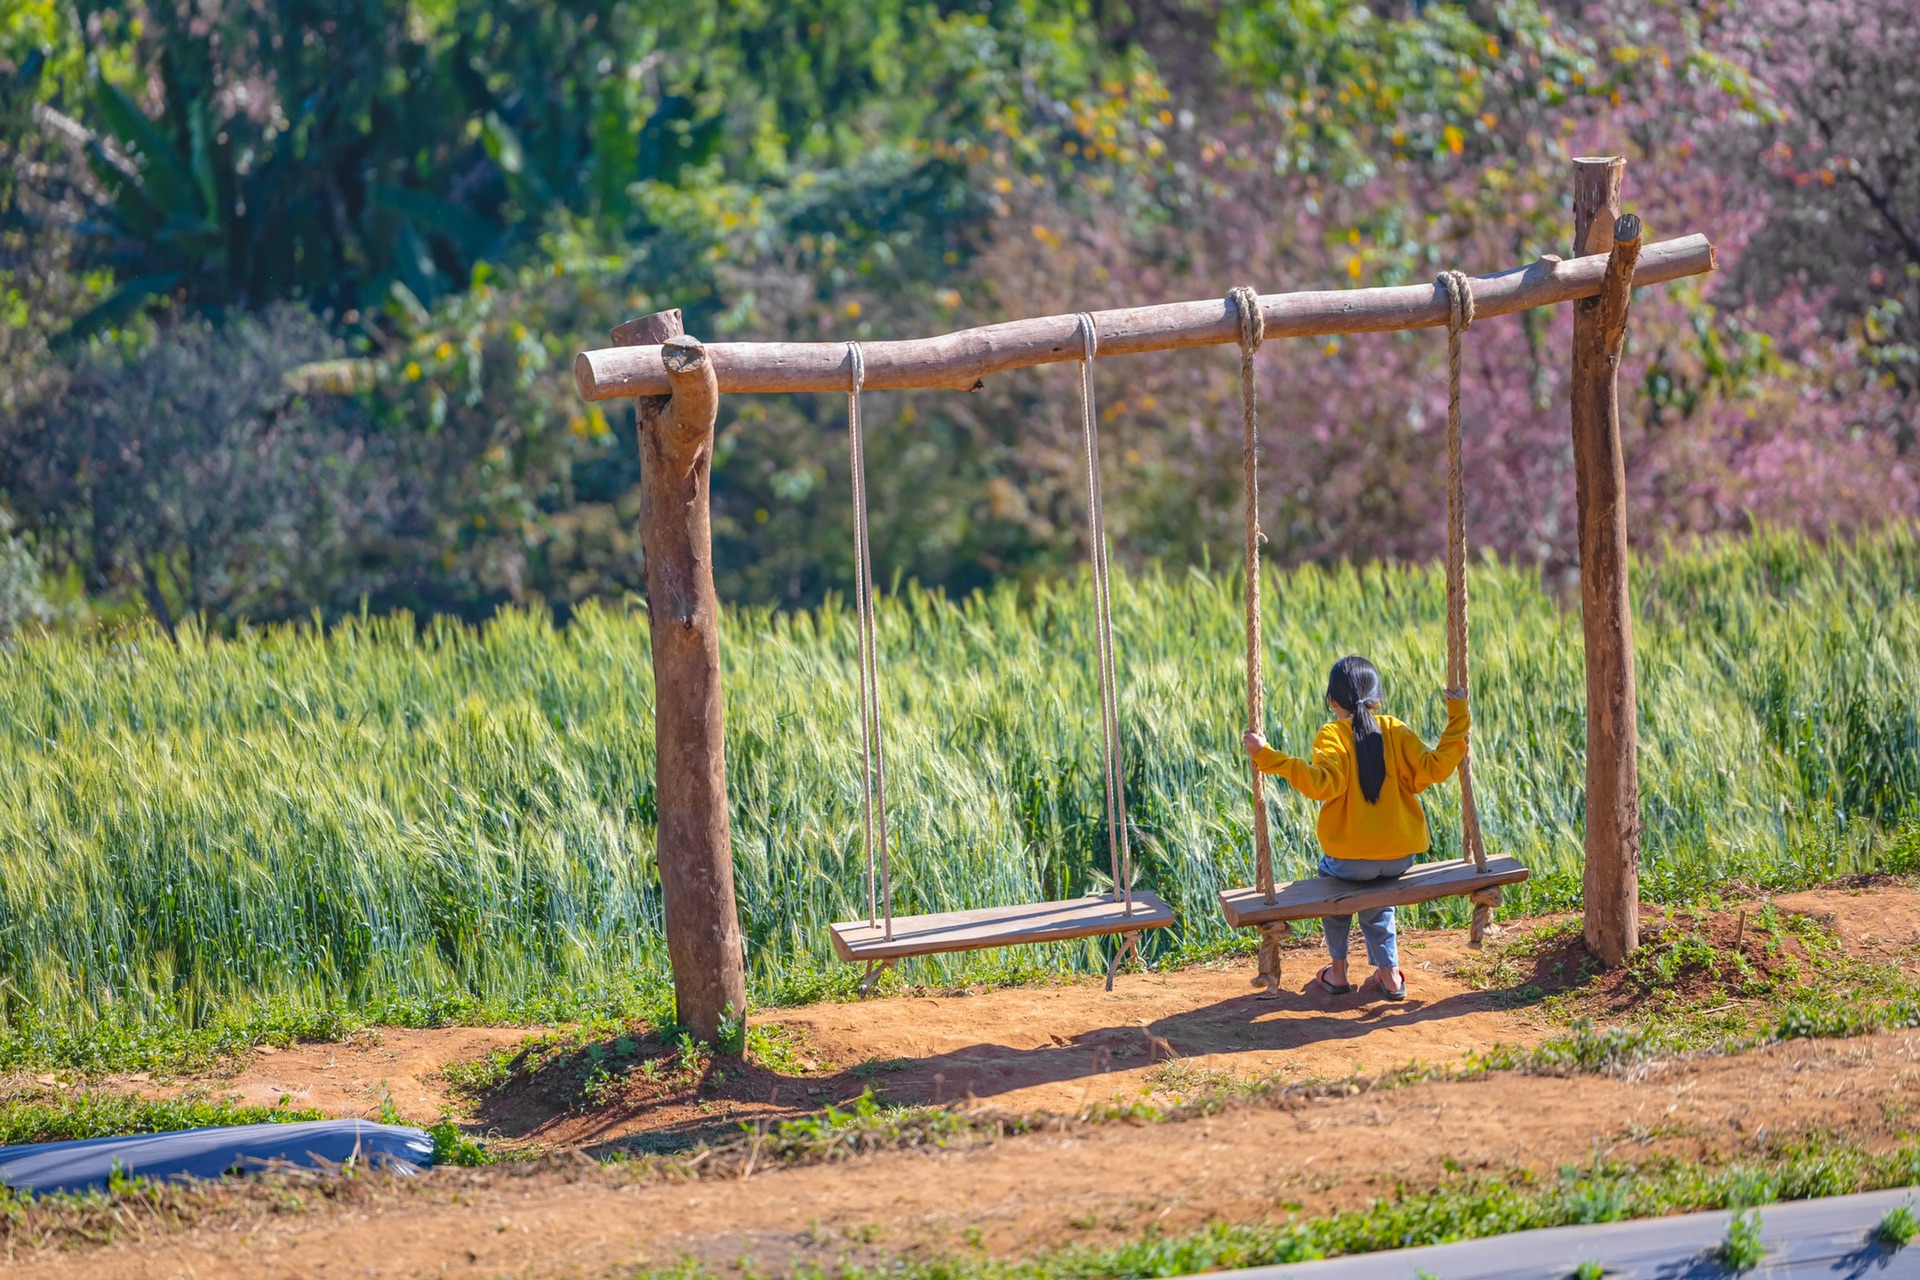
(1354, 686)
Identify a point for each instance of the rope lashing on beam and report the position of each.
(1119, 852)
(1253, 327)
(873, 766)
(1460, 298)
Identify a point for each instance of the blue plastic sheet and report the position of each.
(210, 1153)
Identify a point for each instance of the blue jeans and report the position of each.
(1375, 926)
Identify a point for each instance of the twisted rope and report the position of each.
(1253, 329)
(1119, 853)
(1460, 315)
(873, 775)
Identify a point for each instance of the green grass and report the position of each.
(1899, 1228)
(1690, 988)
(1461, 1208)
(85, 1113)
(290, 834)
(1742, 1250)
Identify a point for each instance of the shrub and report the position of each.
(1742, 1250)
(189, 471)
(1899, 1228)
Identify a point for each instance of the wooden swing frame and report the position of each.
(677, 381)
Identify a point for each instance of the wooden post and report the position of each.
(1612, 877)
(694, 844)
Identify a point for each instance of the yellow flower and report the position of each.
(413, 371)
(852, 309)
(1456, 141)
(443, 351)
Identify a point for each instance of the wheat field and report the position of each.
(421, 822)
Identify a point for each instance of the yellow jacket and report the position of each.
(1395, 825)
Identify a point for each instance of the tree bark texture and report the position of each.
(960, 360)
(1612, 872)
(694, 843)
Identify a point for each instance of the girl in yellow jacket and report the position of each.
(1366, 771)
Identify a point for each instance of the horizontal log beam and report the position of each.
(960, 360)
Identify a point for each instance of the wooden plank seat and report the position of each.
(1326, 896)
(999, 927)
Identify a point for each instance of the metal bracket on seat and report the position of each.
(1129, 941)
(875, 970)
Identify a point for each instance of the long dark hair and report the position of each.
(1354, 686)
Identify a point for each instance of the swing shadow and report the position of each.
(981, 1072)
(595, 1099)
(1291, 1021)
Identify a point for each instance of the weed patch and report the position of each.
(584, 1068)
(1702, 979)
(1742, 1251)
(1459, 1208)
(85, 1113)
(1899, 1228)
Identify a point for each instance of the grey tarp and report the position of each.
(1829, 1239)
(208, 1153)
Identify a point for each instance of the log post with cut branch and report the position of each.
(1612, 872)
(694, 844)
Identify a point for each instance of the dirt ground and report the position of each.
(1054, 1048)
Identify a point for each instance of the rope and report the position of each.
(1253, 328)
(1459, 317)
(1119, 853)
(873, 775)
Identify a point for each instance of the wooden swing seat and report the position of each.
(999, 927)
(1325, 896)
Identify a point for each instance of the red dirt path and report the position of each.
(1058, 1047)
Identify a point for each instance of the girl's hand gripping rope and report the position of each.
(1254, 742)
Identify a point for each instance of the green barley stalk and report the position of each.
(406, 822)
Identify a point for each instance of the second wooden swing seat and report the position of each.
(1270, 907)
(883, 939)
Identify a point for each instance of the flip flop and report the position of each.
(1332, 989)
(1386, 992)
